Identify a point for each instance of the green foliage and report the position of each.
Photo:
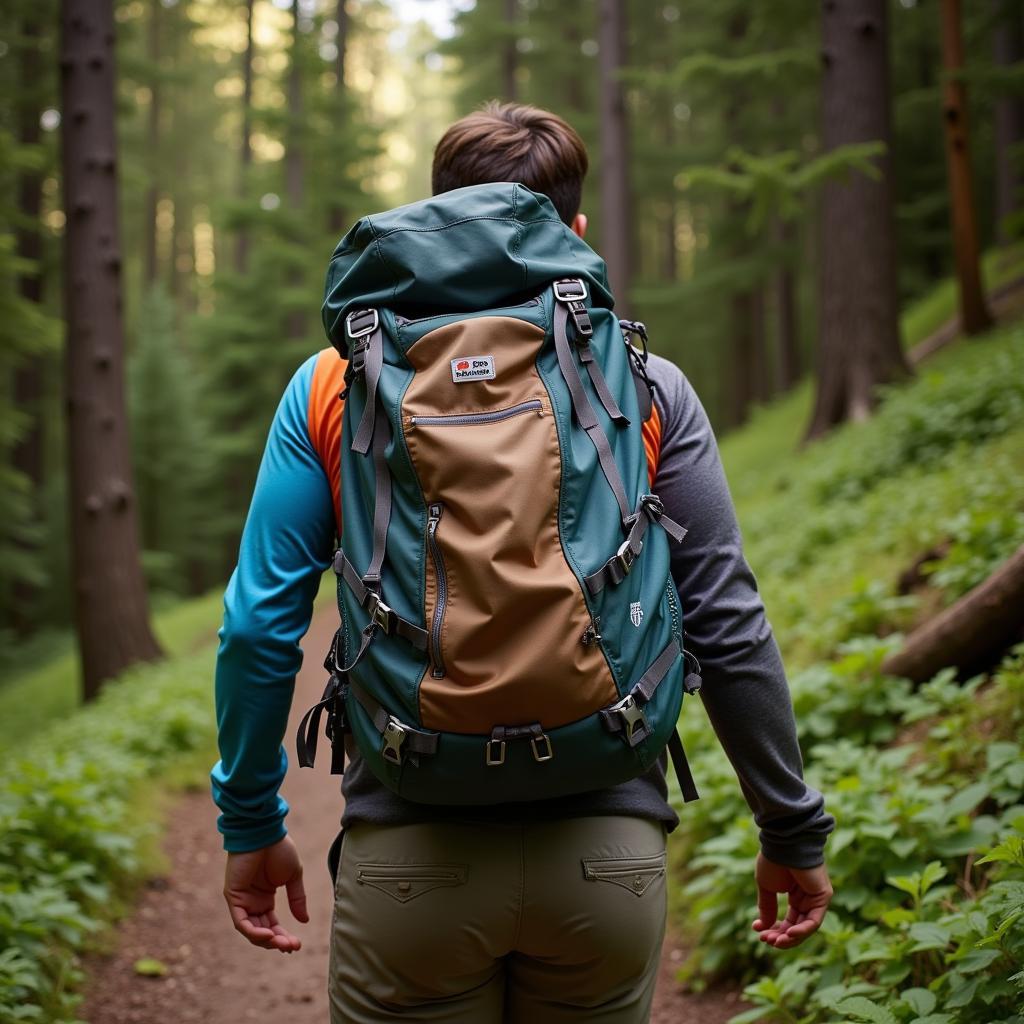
(926, 784)
(69, 842)
(918, 426)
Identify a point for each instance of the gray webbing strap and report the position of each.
(381, 504)
(644, 690)
(618, 567)
(372, 354)
(585, 411)
(398, 736)
(601, 385)
(380, 614)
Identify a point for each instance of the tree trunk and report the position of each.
(1008, 49)
(337, 216)
(509, 62)
(974, 314)
(971, 633)
(790, 362)
(27, 453)
(616, 211)
(111, 610)
(245, 155)
(153, 142)
(858, 333)
(294, 163)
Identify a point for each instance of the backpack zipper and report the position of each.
(404, 321)
(469, 418)
(435, 511)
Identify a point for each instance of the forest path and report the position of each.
(213, 975)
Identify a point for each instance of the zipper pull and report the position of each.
(434, 516)
(591, 634)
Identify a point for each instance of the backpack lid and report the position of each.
(472, 248)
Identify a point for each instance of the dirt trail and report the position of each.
(214, 976)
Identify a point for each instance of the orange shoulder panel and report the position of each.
(652, 443)
(324, 419)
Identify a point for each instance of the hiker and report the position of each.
(547, 904)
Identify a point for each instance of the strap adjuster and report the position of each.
(544, 742)
(634, 722)
(495, 752)
(625, 556)
(394, 737)
(355, 326)
(578, 295)
(381, 614)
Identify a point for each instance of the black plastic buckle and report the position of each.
(381, 614)
(580, 295)
(358, 329)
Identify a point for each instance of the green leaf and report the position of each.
(148, 967)
(861, 1009)
(931, 874)
(751, 1016)
(910, 884)
(920, 1000)
(1010, 850)
(967, 799)
(929, 935)
(961, 991)
(978, 960)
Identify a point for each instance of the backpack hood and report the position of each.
(472, 248)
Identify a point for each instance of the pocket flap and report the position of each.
(404, 882)
(634, 874)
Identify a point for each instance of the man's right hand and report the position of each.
(251, 881)
(809, 892)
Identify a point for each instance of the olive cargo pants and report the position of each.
(542, 923)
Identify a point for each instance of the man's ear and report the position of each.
(579, 224)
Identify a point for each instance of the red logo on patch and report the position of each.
(462, 364)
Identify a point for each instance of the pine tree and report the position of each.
(111, 607)
(858, 331)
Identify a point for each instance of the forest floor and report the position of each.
(213, 976)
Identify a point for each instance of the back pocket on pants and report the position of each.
(634, 874)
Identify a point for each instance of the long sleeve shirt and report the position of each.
(288, 541)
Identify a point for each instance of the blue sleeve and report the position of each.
(286, 546)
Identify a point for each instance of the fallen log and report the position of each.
(969, 633)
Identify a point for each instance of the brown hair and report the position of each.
(514, 142)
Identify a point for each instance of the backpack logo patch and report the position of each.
(472, 368)
(636, 614)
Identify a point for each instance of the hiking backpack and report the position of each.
(510, 629)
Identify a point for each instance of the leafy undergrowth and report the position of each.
(927, 787)
(73, 837)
